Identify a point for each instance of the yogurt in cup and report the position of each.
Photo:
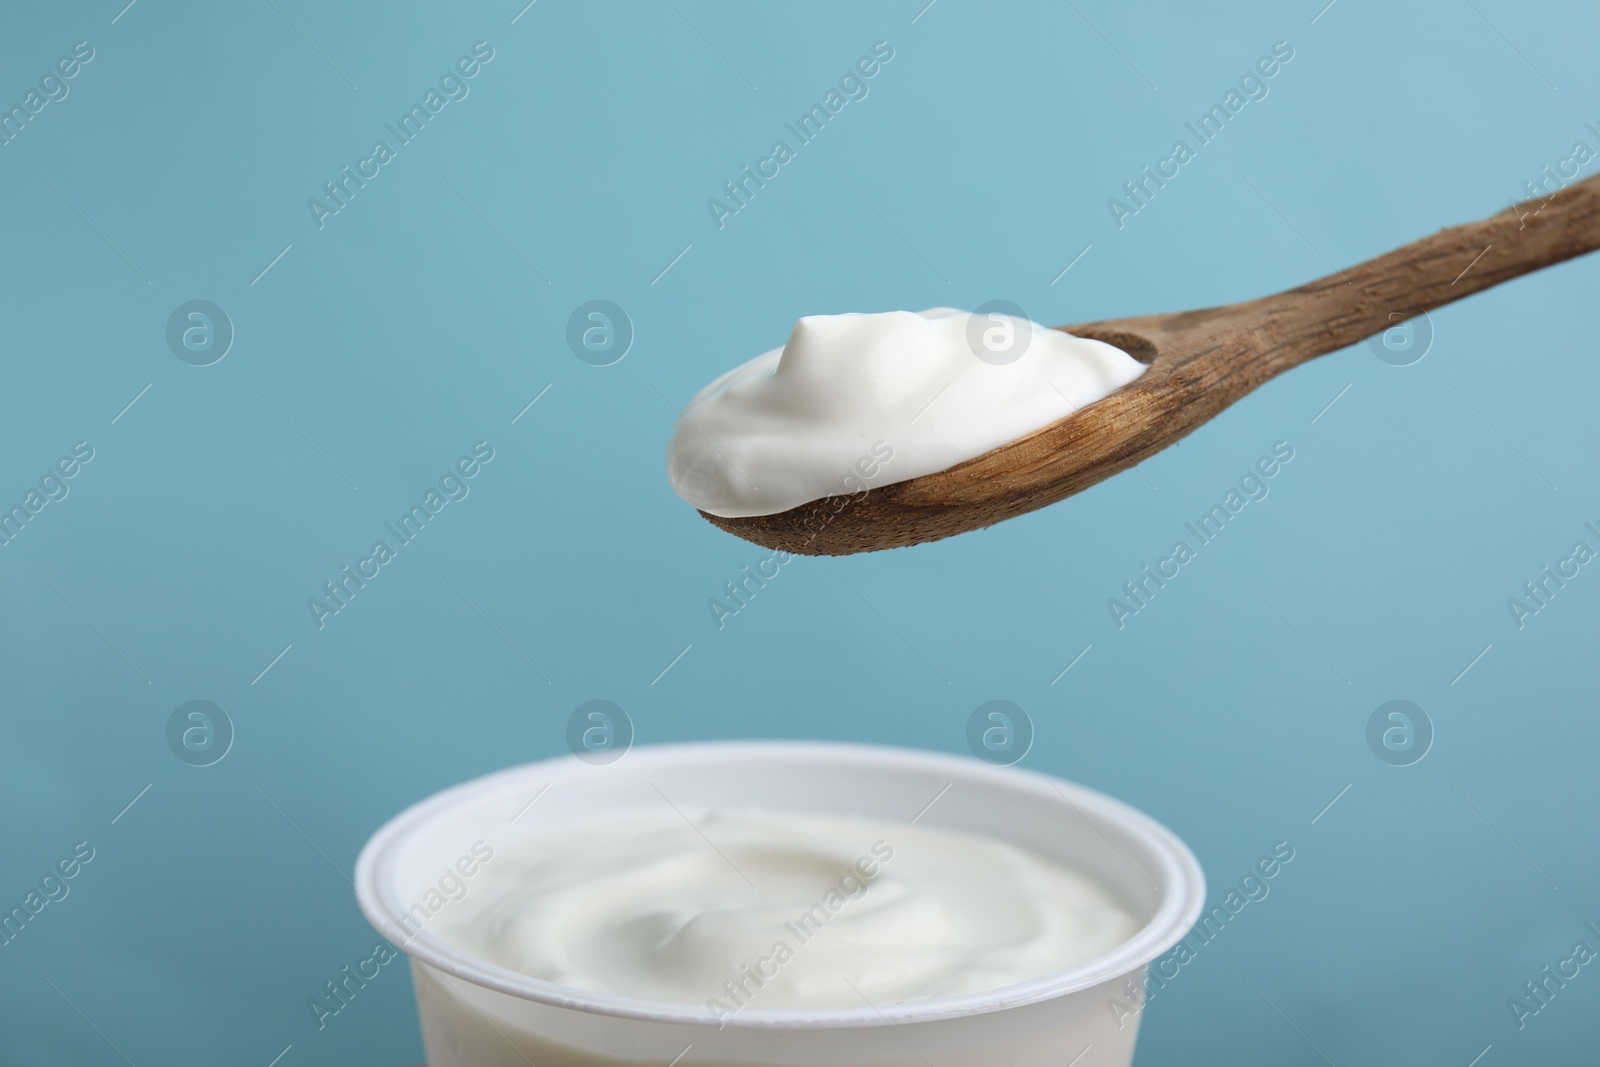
(475, 1012)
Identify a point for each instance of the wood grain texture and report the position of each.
(1200, 362)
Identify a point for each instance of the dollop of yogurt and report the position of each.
(764, 909)
(856, 401)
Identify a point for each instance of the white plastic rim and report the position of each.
(1168, 865)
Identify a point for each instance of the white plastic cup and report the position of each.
(477, 1014)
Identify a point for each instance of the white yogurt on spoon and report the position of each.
(858, 401)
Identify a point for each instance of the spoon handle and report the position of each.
(1368, 298)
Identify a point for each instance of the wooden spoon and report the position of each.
(1200, 362)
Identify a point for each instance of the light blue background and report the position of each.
(409, 328)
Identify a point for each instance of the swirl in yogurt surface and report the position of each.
(771, 910)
